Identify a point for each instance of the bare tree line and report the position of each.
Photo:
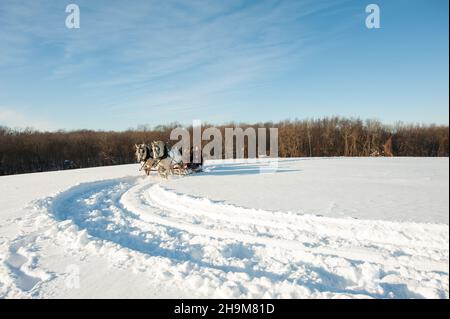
(25, 151)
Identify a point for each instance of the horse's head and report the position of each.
(141, 152)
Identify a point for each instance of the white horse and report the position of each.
(167, 162)
(144, 155)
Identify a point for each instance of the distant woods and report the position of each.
(25, 151)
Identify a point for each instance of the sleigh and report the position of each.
(179, 169)
(157, 157)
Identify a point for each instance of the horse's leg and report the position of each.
(166, 172)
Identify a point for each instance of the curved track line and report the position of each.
(328, 255)
(142, 200)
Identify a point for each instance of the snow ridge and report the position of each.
(206, 248)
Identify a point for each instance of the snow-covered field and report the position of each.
(313, 228)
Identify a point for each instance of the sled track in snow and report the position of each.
(228, 251)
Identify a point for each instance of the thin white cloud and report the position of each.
(13, 118)
(151, 53)
(238, 44)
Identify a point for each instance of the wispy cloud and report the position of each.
(14, 118)
(148, 54)
(202, 45)
(154, 39)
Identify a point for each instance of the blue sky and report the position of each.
(155, 62)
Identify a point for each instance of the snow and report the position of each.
(312, 228)
(395, 189)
